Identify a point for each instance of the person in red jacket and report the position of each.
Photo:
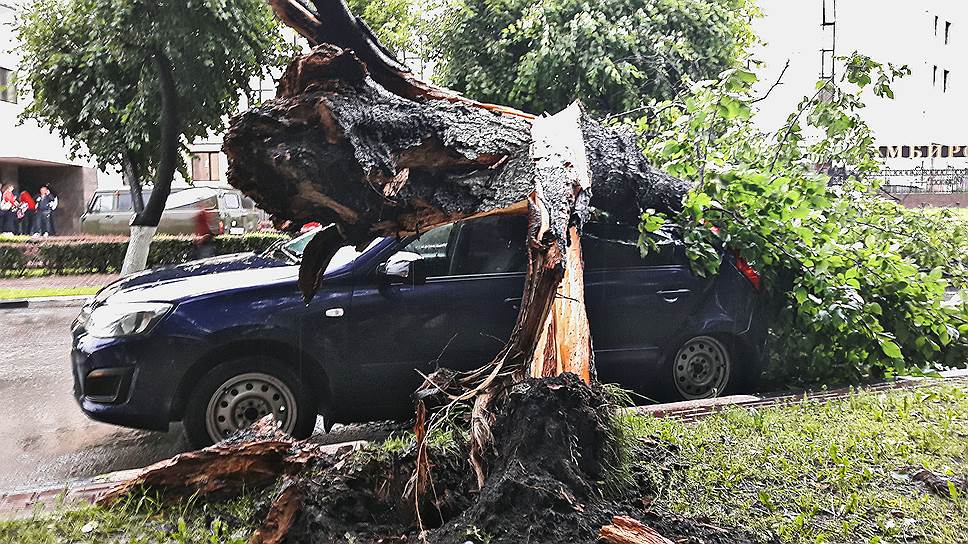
(25, 214)
(204, 237)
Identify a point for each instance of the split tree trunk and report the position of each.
(355, 140)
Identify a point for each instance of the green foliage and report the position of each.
(88, 66)
(614, 55)
(837, 471)
(855, 281)
(394, 22)
(105, 255)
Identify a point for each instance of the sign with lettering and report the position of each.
(923, 151)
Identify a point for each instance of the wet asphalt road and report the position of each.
(44, 436)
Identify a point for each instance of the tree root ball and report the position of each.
(545, 484)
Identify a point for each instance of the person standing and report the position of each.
(204, 237)
(44, 217)
(25, 215)
(8, 210)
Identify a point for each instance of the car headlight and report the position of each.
(125, 319)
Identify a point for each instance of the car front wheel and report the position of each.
(700, 369)
(238, 393)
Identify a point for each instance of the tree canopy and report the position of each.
(614, 55)
(131, 82)
(855, 282)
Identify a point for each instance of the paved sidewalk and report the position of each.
(80, 280)
(25, 503)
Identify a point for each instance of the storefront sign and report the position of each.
(923, 151)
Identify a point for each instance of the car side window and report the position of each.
(433, 247)
(612, 246)
(491, 245)
(102, 203)
(124, 202)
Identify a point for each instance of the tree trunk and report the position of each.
(136, 255)
(147, 216)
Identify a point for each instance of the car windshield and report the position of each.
(293, 250)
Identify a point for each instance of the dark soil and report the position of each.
(545, 484)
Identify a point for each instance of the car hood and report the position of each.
(177, 289)
(198, 277)
(212, 265)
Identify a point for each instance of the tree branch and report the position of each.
(775, 84)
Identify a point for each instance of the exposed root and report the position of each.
(282, 513)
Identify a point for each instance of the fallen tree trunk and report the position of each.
(353, 139)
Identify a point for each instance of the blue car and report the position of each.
(222, 342)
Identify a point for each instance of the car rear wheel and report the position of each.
(700, 369)
(238, 393)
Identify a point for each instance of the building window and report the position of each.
(263, 90)
(205, 166)
(829, 12)
(934, 76)
(8, 91)
(947, 32)
(944, 81)
(935, 25)
(826, 64)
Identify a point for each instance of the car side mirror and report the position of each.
(403, 268)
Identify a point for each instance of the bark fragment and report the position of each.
(625, 530)
(254, 458)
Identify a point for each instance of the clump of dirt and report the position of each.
(546, 483)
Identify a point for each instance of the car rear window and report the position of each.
(232, 201)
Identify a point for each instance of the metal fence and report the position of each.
(925, 180)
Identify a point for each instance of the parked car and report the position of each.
(110, 211)
(221, 342)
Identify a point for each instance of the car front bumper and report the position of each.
(127, 381)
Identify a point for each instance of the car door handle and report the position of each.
(672, 295)
(514, 302)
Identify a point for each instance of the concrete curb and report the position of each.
(45, 302)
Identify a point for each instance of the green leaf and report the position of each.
(890, 349)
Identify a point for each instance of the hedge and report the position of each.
(106, 254)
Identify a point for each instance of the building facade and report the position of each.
(31, 155)
(922, 134)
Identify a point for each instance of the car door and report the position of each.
(458, 319)
(636, 304)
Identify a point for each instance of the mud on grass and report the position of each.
(548, 482)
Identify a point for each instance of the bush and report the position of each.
(106, 255)
(12, 257)
(856, 283)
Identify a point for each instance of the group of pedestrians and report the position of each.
(27, 214)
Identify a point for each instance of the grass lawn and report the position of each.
(142, 518)
(16, 294)
(833, 472)
(838, 471)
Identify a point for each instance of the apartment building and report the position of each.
(922, 134)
